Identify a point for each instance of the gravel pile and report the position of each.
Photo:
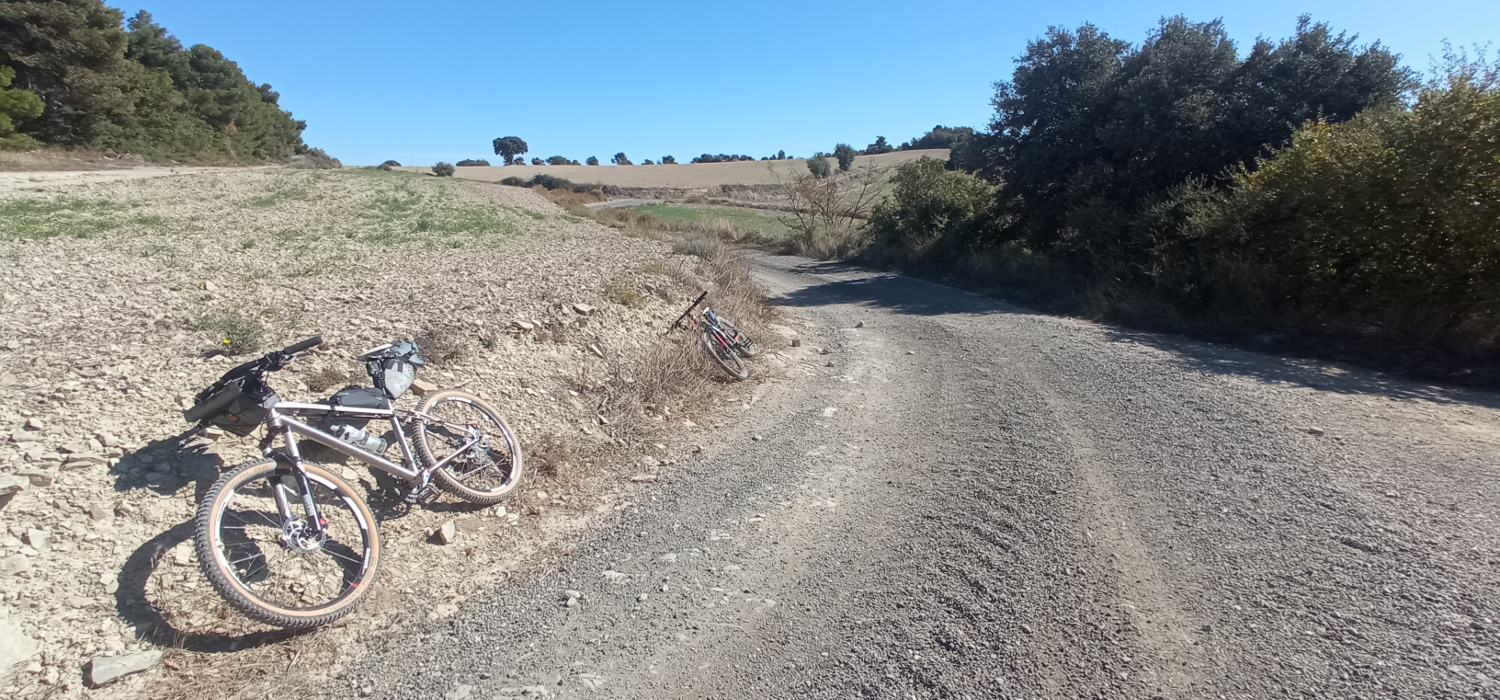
(116, 297)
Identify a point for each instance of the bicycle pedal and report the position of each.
(422, 496)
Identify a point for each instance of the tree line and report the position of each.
(1310, 193)
(71, 74)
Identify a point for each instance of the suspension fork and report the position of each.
(283, 505)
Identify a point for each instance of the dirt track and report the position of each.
(966, 500)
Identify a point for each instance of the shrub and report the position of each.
(1388, 219)
(473, 163)
(314, 159)
(443, 169)
(15, 104)
(826, 216)
(668, 160)
(927, 203)
(538, 161)
(845, 156)
(234, 333)
(389, 165)
(559, 160)
(879, 147)
(593, 160)
(647, 162)
(819, 167)
(550, 182)
(620, 159)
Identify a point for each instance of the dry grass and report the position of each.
(622, 290)
(326, 379)
(444, 345)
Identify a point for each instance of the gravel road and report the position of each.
(966, 500)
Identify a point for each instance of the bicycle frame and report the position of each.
(281, 419)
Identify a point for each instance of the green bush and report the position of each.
(845, 155)
(443, 169)
(593, 160)
(551, 182)
(819, 166)
(15, 104)
(473, 163)
(928, 203)
(1389, 219)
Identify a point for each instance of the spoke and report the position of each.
(347, 558)
(255, 555)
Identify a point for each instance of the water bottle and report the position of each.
(359, 438)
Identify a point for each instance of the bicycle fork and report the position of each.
(299, 535)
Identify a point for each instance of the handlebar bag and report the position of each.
(236, 404)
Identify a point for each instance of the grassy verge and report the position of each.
(765, 223)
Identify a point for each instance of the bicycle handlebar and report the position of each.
(308, 344)
(684, 315)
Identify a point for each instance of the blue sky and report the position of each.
(422, 82)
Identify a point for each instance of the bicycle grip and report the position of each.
(308, 344)
(213, 406)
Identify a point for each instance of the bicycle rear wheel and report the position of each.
(276, 571)
(487, 471)
(729, 360)
(742, 343)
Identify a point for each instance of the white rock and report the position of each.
(448, 533)
(102, 670)
(583, 309)
(422, 387)
(11, 484)
(15, 646)
(36, 538)
(34, 424)
(14, 564)
(643, 478)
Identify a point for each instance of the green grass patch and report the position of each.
(233, 332)
(764, 222)
(412, 211)
(283, 189)
(64, 216)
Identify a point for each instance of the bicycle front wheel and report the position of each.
(485, 465)
(282, 571)
(729, 360)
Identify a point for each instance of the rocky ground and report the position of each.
(950, 497)
(118, 298)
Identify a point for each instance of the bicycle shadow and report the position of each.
(166, 467)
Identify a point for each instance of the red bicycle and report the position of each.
(725, 342)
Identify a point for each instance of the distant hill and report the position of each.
(686, 176)
(133, 88)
